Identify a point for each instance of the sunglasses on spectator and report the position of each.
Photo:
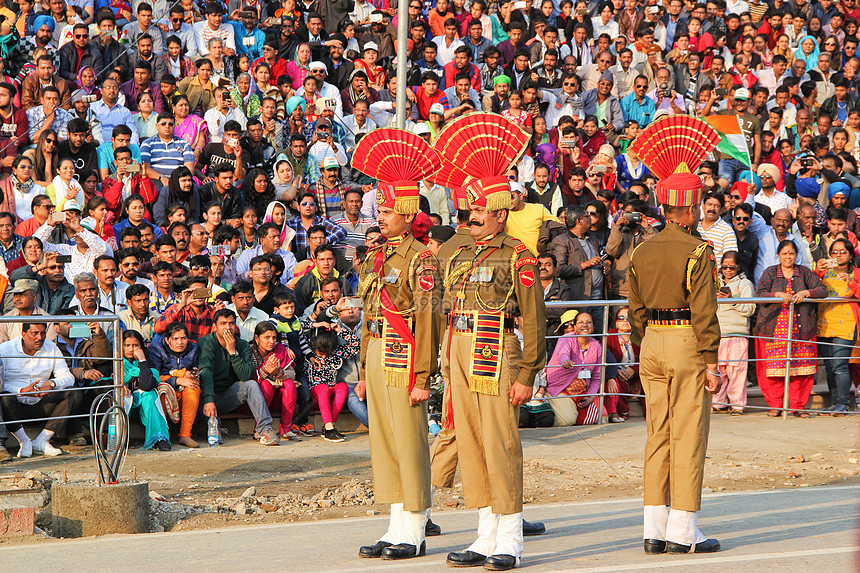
(742, 218)
(735, 196)
(308, 204)
(82, 36)
(730, 267)
(166, 123)
(621, 317)
(50, 141)
(176, 20)
(839, 252)
(592, 213)
(132, 264)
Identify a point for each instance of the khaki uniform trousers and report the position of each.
(399, 452)
(488, 439)
(443, 450)
(678, 417)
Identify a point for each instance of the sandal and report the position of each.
(715, 410)
(169, 401)
(772, 413)
(737, 412)
(291, 437)
(801, 415)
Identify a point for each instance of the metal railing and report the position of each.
(604, 335)
(116, 359)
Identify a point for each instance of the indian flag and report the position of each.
(733, 142)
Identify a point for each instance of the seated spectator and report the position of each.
(141, 81)
(192, 309)
(49, 108)
(54, 292)
(200, 266)
(180, 191)
(138, 315)
(20, 189)
(176, 358)
(129, 268)
(64, 188)
(574, 370)
(24, 300)
(742, 219)
(10, 242)
(199, 89)
(227, 377)
(276, 374)
(33, 86)
(261, 279)
(626, 356)
(322, 373)
(163, 295)
(121, 137)
(713, 229)
(13, 119)
(135, 214)
(141, 382)
(221, 191)
(87, 245)
(225, 110)
(129, 178)
(112, 113)
(31, 254)
(735, 329)
(111, 293)
(86, 301)
(163, 153)
(792, 283)
(310, 287)
(247, 316)
(269, 236)
(32, 366)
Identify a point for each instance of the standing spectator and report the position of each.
(837, 322)
(32, 366)
(578, 256)
(742, 216)
(713, 229)
(87, 245)
(626, 234)
(227, 377)
(553, 290)
(735, 329)
(792, 283)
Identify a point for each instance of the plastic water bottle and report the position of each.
(434, 427)
(111, 441)
(214, 432)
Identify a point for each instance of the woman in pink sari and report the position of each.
(189, 127)
(297, 69)
(573, 371)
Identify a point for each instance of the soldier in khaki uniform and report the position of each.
(673, 314)
(487, 283)
(398, 282)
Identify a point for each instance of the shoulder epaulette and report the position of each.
(700, 249)
(425, 254)
(520, 247)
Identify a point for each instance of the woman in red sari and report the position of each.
(792, 283)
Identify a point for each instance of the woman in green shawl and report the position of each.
(141, 383)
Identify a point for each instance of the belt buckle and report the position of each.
(373, 327)
(461, 322)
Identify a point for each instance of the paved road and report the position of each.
(809, 529)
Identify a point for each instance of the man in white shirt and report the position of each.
(225, 109)
(448, 43)
(270, 242)
(88, 246)
(719, 234)
(31, 368)
(111, 291)
(772, 77)
(769, 195)
(213, 27)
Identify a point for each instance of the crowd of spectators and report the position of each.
(187, 166)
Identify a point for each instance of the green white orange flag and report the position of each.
(733, 142)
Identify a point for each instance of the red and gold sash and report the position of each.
(398, 340)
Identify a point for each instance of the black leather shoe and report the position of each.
(162, 446)
(373, 551)
(403, 551)
(465, 559)
(431, 529)
(533, 528)
(500, 562)
(708, 546)
(654, 546)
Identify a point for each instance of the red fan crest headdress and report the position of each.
(398, 159)
(673, 148)
(477, 149)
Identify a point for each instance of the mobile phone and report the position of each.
(232, 142)
(567, 144)
(654, 10)
(64, 259)
(806, 162)
(604, 257)
(521, 5)
(132, 168)
(633, 217)
(201, 293)
(726, 290)
(599, 169)
(89, 98)
(221, 250)
(375, 18)
(247, 14)
(354, 302)
(58, 217)
(79, 330)
(722, 92)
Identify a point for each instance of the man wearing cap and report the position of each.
(214, 27)
(398, 282)
(326, 110)
(24, 302)
(339, 68)
(501, 88)
(600, 103)
(751, 127)
(368, 64)
(329, 190)
(324, 146)
(673, 316)
(487, 282)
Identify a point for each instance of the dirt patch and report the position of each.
(244, 483)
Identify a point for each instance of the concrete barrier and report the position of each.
(84, 509)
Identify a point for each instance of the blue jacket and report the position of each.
(164, 360)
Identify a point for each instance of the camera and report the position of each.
(633, 217)
(89, 98)
(807, 162)
(275, 21)
(247, 14)
(666, 93)
(132, 168)
(567, 144)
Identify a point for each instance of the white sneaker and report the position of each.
(46, 448)
(26, 449)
